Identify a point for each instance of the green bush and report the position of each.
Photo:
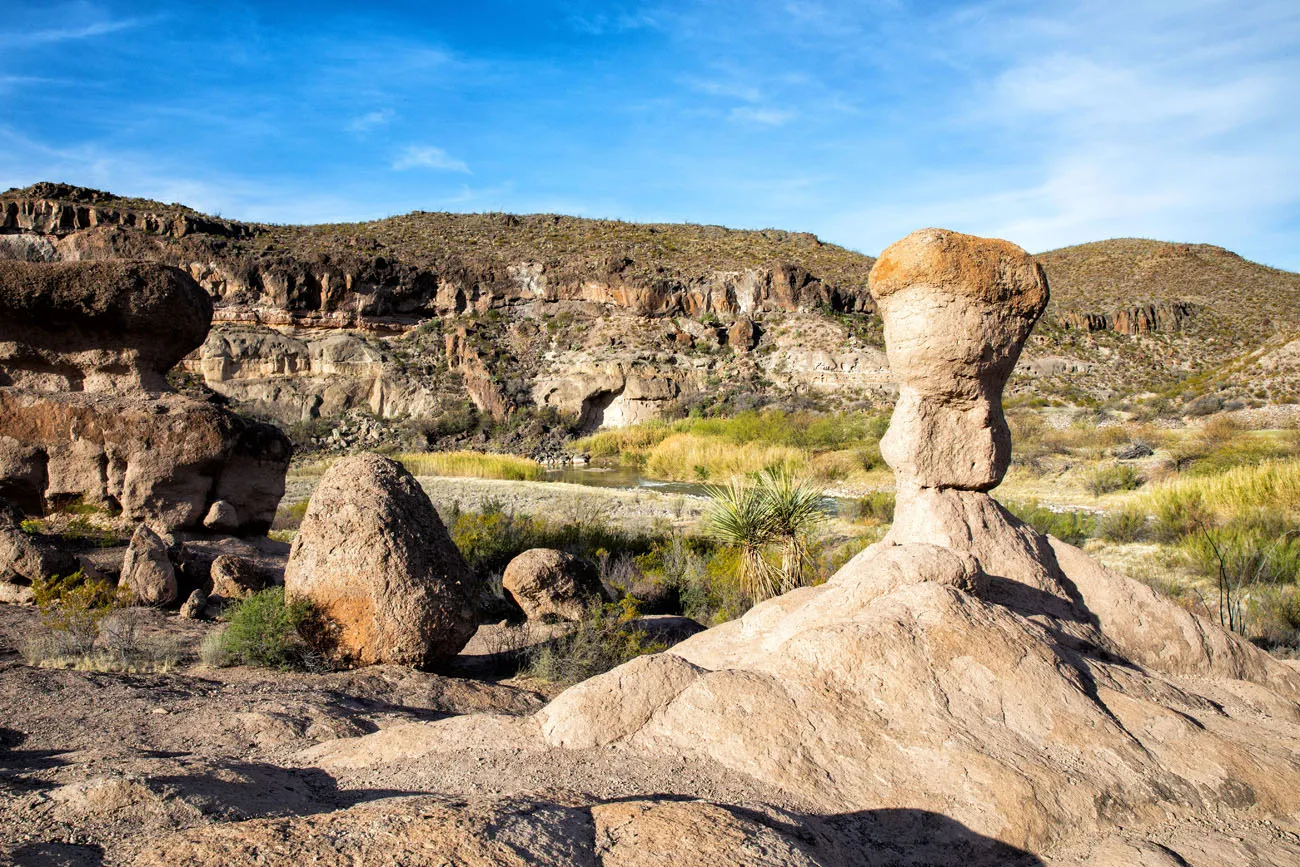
(73, 607)
(264, 630)
(1112, 478)
(1070, 526)
(1122, 525)
(876, 507)
(602, 640)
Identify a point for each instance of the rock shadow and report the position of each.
(909, 838)
(56, 855)
(236, 791)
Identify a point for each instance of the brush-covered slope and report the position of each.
(613, 322)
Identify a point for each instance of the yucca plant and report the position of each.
(774, 510)
(796, 513)
(741, 516)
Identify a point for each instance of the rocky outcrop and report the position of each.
(549, 583)
(1164, 316)
(376, 562)
(96, 327)
(147, 571)
(965, 665)
(24, 560)
(85, 411)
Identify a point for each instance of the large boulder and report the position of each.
(85, 410)
(549, 583)
(234, 578)
(147, 570)
(97, 326)
(375, 560)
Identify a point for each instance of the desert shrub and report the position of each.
(1069, 526)
(264, 630)
(774, 515)
(876, 507)
(1122, 525)
(604, 639)
(289, 516)
(1111, 478)
(1239, 558)
(73, 607)
(1274, 614)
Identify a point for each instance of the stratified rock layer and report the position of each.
(376, 561)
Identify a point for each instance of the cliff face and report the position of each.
(1167, 316)
(611, 322)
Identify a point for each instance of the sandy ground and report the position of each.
(94, 765)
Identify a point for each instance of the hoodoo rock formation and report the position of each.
(965, 685)
(376, 561)
(86, 412)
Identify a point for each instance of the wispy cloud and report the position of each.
(762, 116)
(612, 23)
(75, 22)
(369, 121)
(728, 89)
(428, 157)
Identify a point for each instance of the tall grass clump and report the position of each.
(826, 446)
(1112, 478)
(476, 465)
(689, 457)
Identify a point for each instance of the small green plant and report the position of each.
(875, 508)
(1122, 525)
(74, 607)
(604, 639)
(775, 511)
(1068, 526)
(263, 630)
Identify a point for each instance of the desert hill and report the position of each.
(603, 322)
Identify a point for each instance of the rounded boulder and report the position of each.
(376, 562)
(545, 582)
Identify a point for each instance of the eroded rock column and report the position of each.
(956, 309)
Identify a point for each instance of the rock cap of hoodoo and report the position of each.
(374, 558)
(984, 269)
(956, 310)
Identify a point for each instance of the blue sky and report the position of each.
(1045, 123)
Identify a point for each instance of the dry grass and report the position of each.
(475, 465)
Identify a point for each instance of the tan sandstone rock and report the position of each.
(234, 578)
(957, 310)
(373, 556)
(147, 570)
(545, 582)
(965, 691)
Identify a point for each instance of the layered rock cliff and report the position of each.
(608, 322)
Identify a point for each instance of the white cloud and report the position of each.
(763, 116)
(371, 120)
(74, 22)
(428, 157)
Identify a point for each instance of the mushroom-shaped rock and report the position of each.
(957, 310)
(376, 561)
(545, 582)
(147, 570)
